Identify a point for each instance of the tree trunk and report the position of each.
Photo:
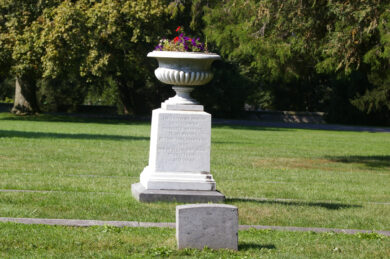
(25, 101)
(125, 96)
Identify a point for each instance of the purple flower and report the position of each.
(193, 42)
(181, 43)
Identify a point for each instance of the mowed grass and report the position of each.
(84, 169)
(37, 241)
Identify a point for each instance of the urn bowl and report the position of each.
(184, 68)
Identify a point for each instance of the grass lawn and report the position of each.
(29, 241)
(329, 178)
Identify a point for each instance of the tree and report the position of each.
(66, 47)
(64, 39)
(121, 33)
(20, 56)
(20, 53)
(274, 43)
(358, 42)
(5, 50)
(296, 50)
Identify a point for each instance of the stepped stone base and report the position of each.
(143, 195)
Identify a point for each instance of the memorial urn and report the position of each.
(183, 70)
(180, 138)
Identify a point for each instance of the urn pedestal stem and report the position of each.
(183, 96)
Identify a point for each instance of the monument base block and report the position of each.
(149, 195)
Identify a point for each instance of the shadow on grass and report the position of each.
(50, 135)
(369, 161)
(326, 205)
(79, 118)
(250, 127)
(248, 246)
(281, 125)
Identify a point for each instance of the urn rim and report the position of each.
(183, 55)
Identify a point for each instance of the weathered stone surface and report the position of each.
(143, 195)
(179, 157)
(211, 225)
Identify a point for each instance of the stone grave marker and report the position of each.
(211, 225)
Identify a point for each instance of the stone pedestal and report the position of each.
(179, 157)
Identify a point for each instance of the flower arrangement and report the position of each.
(182, 43)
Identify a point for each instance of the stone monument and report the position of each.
(179, 156)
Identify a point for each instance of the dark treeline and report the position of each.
(314, 55)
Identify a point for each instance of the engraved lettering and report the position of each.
(183, 139)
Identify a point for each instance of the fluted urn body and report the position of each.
(183, 70)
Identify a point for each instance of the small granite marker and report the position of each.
(211, 225)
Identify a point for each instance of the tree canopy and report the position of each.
(59, 49)
(312, 55)
(302, 52)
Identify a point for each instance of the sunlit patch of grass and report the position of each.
(299, 163)
(352, 164)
